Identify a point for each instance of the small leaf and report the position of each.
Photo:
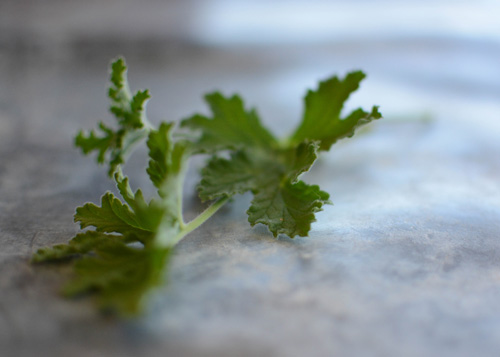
(118, 79)
(300, 159)
(287, 209)
(322, 122)
(113, 145)
(160, 148)
(90, 141)
(111, 217)
(231, 126)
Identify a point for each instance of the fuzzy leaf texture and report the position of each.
(322, 121)
(231, 126)
(269, 168)
(114, 145)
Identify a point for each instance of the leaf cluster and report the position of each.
(268, 167)
(126, 241)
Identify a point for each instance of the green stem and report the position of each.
(198, 221)
(180, 191)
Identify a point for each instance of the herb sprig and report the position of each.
(126, 241)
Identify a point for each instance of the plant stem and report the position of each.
(180, 194)
(198, 221)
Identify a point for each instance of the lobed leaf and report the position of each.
(284, 204)
(288, 208)
(268, 168)
(227, 177)
(322, 122)
(167, 161)
(113, 145)
(231, 126)
(111, 216)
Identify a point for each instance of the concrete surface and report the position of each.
(406, 262)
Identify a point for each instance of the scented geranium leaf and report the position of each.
(300, 159)
(127, 109)
(280, 202)
(131, 113)
(120, 275)
(166, 170)
(160, 147)
(119, 91)
(322, 122)
(112, 217)
(82, 243)
(249, 171)
(113, 145)
(134, 200)
(231, 126)
(146, 215)
(263, 165)
(287, 208)
(227, 177)
(167, 160)
(92, 141)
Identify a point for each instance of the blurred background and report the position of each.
(405, 263)
(421, 56)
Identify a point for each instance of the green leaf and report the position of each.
(167, 161)
(160, 147)
(91, 141)
(300, 159)
(119, 91)
(287, 209)
(81, 244)
(121, 276)
(129, 110)
(113, 217)
(284, 204)
(231, 127)
(134, 200)
(114, 145)
(268, 168)
(166, 170)
(223, 177)
(322, 121)
(131, 113)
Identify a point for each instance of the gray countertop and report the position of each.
(405, 263)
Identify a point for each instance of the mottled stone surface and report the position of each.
(405, 263)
